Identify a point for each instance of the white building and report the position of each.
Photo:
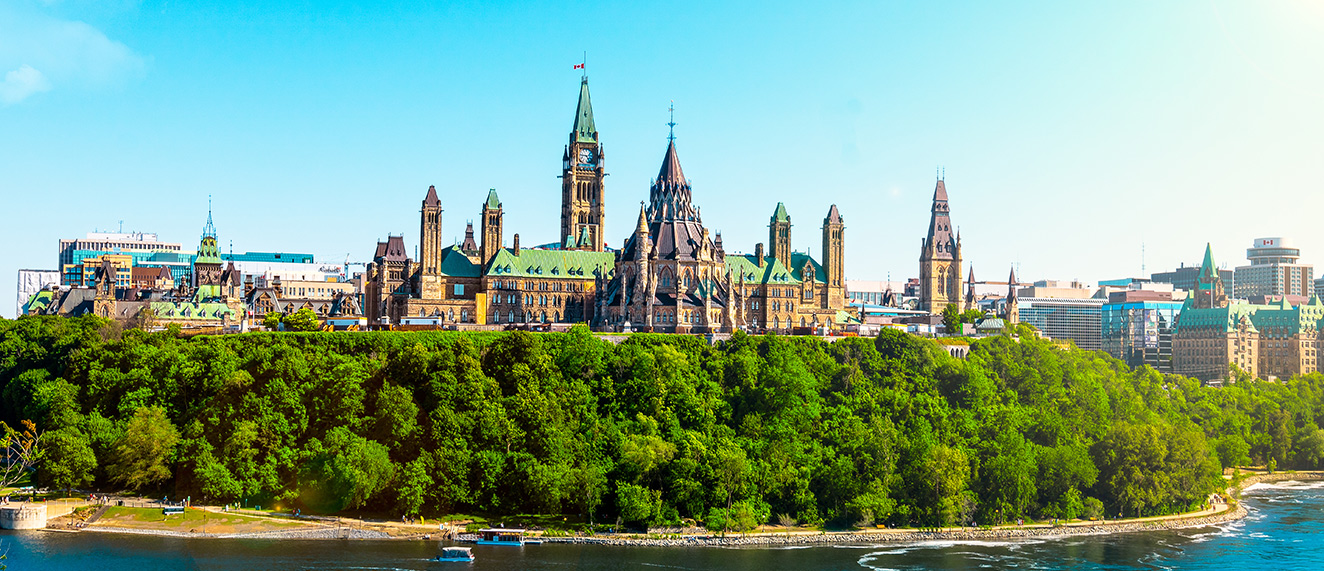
(1274, 269)
(31, 282)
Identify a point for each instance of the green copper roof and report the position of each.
(798, 260)
(1207, 268)
(772, 272)
(492, 200)
(186, 310)
(1223, 319)
(585, 131)
(455, 264)
(39, 301)
(550, 264)
(780, 214)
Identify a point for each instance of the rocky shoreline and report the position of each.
(1236, 512)
(1001, 533)
(313, 533)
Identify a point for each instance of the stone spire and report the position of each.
(940, 241)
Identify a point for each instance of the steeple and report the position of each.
(670, 197)
(431, 198)
(584, 130)
(940, 240)
(642, 226)
(1013, 315)
(1207, 268)
(1209, 288)
(209, 229)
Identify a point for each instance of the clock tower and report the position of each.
(582, 175)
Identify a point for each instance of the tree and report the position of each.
(415, 483)
(303, 320)
(271, 321)
(67, 460)
(971, 316)
(951, 319)
(142, 454)
(22, 448)
(347, 470)
(637, 503)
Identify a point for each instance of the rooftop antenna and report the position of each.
(944, 172)
(672, 124)
(121, 227)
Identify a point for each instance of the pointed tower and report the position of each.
(582, 206)
(1013, 313)
(491, 218)
(779, 235)
(1209, 291)
(939, 257)
(207, 266)
(429, 246)
(834, 260)
(469, 246)
(970, 301)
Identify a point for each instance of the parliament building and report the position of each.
(671, 274)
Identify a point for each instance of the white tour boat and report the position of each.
(456, 554)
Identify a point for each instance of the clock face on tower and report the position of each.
(585, 156)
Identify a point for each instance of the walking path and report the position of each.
(318, 527)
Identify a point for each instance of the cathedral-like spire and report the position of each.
(209, 229)
(670, 198)
(1011, 285)
(940, 243)
(1207, 267)
(431, 199)
(584, 129)
(642, 226)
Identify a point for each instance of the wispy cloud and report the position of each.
(40, 52)
(21, 83)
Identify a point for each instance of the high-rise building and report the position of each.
(940, 257)
(1275, 269)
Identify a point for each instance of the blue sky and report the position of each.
(1071, 132)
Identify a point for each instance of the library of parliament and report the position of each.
(670, 274)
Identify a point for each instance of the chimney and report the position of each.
(758, 253)
(275, 284)
(515, 247)
(248, 284)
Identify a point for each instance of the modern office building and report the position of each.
(1079, 320)
(1138, 324)
(98, 243)
(1275, 269)
(1184, 277)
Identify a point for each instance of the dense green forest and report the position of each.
(652, 431)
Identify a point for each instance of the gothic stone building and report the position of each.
(1214, 333)
(940, 257)
(673, 276)
(670, 275)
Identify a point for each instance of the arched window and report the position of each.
(450, 315)
(464, 315)
(512, 317)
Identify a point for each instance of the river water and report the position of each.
(1283, 531)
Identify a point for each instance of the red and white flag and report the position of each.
(579, 66)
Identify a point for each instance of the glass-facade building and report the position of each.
(1140, 332)
(1065, 318)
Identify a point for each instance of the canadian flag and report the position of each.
(579, 66)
